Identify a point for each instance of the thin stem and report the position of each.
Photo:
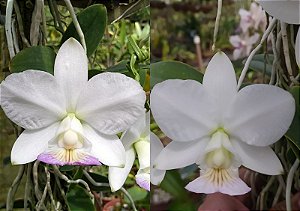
(49, 188)
(289, 185)
(44, 28)
(86, 174)
(254, 51)
(28, 185)
(14, 35)
(217, 23)
(274, 66)
(20, 24)
(35, 23)
(76, 23)
(8, 32)
(37, 191)
(277, 195)
(285, 44)
(13, 188)
(265, 190)
(64, 177)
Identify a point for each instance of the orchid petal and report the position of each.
(134, 133)
(238, 53)
(142, 148)
(31, 143)
(32, 99)
(286, 11)
(260, 159)
(71, 71)
(260, 115)
(220, 81)
(111, 102)
(156, 147)
(297, 48)
(234, 186)
(117, 176)
(85, 159)
(183, 109)
(143, 179)
(235, 40)
(107, 148)
(179, 154)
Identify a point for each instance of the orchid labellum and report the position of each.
(220, 128)
(68, 119)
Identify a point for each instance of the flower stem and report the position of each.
(217, 24)
(8, 30)
(289, 185)
(254, 51)
(76, 23)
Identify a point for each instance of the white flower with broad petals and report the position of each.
(287, 11)
(136, 140)
(220, 128)
(242, 45)
(255, 18)
(156, 147)
(68, 119)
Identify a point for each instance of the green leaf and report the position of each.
(293, 134)
(121, 67)
(174, 185)
(136, 193)
(34, 58)
(260, 64)
(93, 23)
(161, 71)
(66, 168)
(79, 200)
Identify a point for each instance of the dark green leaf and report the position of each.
(66, 168)
(260, 64)
(79, 200)
(293, 134)
(161, 71)
(136, 193)
(174, 185)
(34, 58)
(93, 23)
(94, 72)
(121, 67)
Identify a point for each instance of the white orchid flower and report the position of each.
(219, 127)
(68, 119)
(254, 18)
(242, 44)
(156, 147)
(287, 11)
(136, 140)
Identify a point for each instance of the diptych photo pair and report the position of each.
(150, 105)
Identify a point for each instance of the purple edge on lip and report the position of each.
(87, 161)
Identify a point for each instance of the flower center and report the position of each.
(218, 155)
(70, 139)
(219, 158)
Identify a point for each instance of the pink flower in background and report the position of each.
(254, 18)
(242, 45)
